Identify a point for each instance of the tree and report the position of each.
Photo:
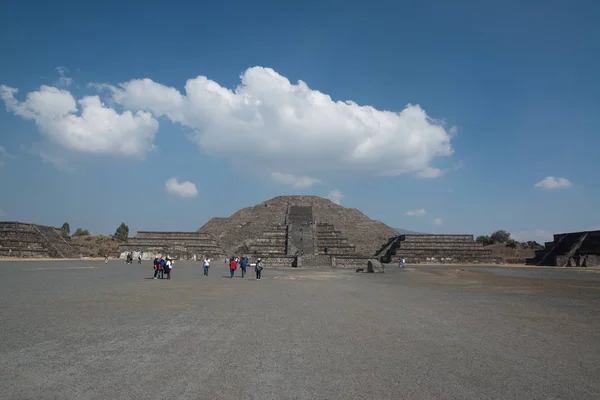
(500, 236)
(122, 232)
(484, 240)
(511, 243)
(66, 228)
(81, 232)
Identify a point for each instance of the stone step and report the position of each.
(280, 241)
(24, 253)
(332, 241)
(25, 235)
(277, 234)
(438, 238)
(440, 254)
(23, 245)
(429, 245)
(172, 235)
(337, 250)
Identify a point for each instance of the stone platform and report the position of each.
(182, 245)
(435, 248)
(24, 240)
(300, 241)
(571, 249)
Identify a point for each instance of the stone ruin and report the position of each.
(435, 249)
(177, 245)
(24, 240)
(300, 231)
(574, 249)
(372, 266)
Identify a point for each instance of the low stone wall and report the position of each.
(438, 238)
(314, 261)
(175, 255)
(336, 250)
(349, 262)
(171, 242)
(590, 260)
(273, 262)
(441, 246)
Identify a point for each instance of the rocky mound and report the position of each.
(96, 245)
(233, 233)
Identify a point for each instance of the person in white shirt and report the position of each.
(206, 265)
(168, 268)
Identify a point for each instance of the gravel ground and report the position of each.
(86, 330)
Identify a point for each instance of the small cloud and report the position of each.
(551, 182)
(299, 182)
(430, 172)
(184, 190)
(438, 222)
(4, 155)
(416, 213)
(63, 81)
(336, 196)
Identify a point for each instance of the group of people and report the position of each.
(163, 266)
(129, 258)
(234, 262)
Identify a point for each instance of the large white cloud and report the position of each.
(184, 189)
(293, 129)
(85, 125)
(552, 182)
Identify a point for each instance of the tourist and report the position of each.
(161, 268)
(243, 264)
(140, 258)
(232, 266)
(106, 259)
(258, 268)
(168, 266)
(155, 267)
(402, 263)
(206, 265)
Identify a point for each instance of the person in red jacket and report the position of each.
(232, 266)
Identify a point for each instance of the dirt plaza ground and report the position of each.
(89, 330)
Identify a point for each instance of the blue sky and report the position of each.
(449, 111)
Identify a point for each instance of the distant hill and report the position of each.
(406, 232)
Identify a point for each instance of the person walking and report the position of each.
(258, 269)
(402, 263)
(206, 265)
(243, 265)
(232, 267)
(106, 259)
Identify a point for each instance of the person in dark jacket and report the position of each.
(243, 265)
(155, 267)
